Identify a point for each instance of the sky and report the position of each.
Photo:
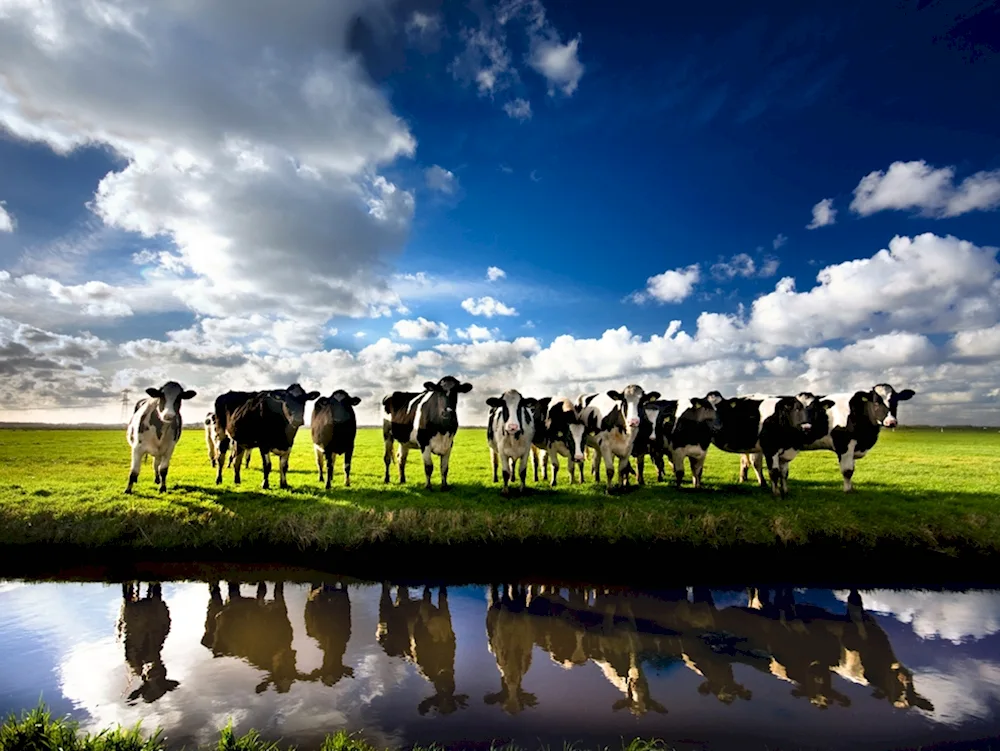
(548, 195)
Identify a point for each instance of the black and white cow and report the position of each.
(613, 423)
(655, 427)
(212, 438)
(539, 454)
(849, 424)
(691, 438)
(334, 428)
(423, 420)
(565, 433)
(775, 427)
(154, 429)
(265, 420)
(816, 417)
(510, 434)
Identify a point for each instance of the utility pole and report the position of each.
(125, 393)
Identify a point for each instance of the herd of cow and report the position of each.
(764, 429)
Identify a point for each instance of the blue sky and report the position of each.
(318, 196)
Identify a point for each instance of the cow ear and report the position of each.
(905, 394)
(494, 401)
(430, 386)
(464, 388)
(827, 403)
(652, 396)
(615, 395)
(695, 401)
(312, 395)
(155, 393)
(529, 402)
(189, 394)
(544, 403)
(355, 401)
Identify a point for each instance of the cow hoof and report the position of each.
(428, 487)
(163, 489)
(284, 486)
(127, 491)
(445, 487)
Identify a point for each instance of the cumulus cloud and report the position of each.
(779, 241)
(495, 272)
(670, 286)
(487, 306)
(823, 214)
(745, 266)
(263, 176)
(559, 63)
(7, 220)
(917, 185)
(420, 328)
(519, 109)
(477, 333)
(440, 179)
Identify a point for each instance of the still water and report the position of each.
(697, 668)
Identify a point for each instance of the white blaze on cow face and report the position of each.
(653, 416)
(169, 398)
(576, 431)
(511, 412)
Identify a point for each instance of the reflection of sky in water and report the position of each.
(59, 641)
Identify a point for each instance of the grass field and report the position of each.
(918, 488)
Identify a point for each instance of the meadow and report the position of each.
(919, 489)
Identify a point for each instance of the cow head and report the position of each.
(294, 398)
(449, 387)
(631, 401)
(342, 404)
(168, 399)
(892, 398)
(661, 416)
(703, 409)
(870, 406)
(793, 413)
(816, 407)
(515, 411)
(566, 423)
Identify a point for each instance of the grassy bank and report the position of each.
(37, 730)
(920, 490)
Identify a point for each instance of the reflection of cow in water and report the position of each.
(143, 625)
(255, 630)
(511, 640)
(422, 633)
(802, 644)
(328, 621)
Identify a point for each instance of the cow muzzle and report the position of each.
(578, 457)
(513, 427)
(806, 426)
(633, 422)
(889, 422)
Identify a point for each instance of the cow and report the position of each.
(511, 640)
(656, 423)
(334, 428)
(511, 433)
(613, 423)
(328, 621)
(154, 429)
(212, 441)
(775, 427)
(849, 425)
(423, 420)
(691, 438)
(143, 626)
(265, 420)
(565, 433)
(818, 424)
(539, 454)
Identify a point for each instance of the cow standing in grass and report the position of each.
(154, 429)
(422, 420)
(564, 432)
(655, 427)
(511, 433)
(539, 450)
(691, 438)
(613, 424)
(334, 428)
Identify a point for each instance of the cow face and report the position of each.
(892, 398)
(871, 405)
(514, 409)
(342, 405)
(294, 399)
(795, 412)
(631, 401)
(449, 387)
(703, 410)
(566, 421)
(168, 400)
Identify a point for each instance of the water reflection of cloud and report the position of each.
(965, 690)
(953, 616)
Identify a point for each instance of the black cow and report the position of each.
(143, 626)
(334, 428)
(426, 421)
(265, 420)
(775, 427)
(539, 453)
(328, 621)
(656, 423)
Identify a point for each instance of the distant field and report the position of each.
(922, 488)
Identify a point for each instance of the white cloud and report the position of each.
(477, 333)
(977, 343)
(263, 176)
(487, 306)
(917, 185)
(438, 178)
(7, 223)
(744, 265)
(495, 272)
(519, 109)
(670, 286)
(506, 169)
(423, 24)
(420, 328)
(559, 63)
(779, 241)
(534, 176)
(823, 214)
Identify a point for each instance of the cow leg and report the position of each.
(595, 468)
(445, 461)
(583, 472)
(697, 467)
(283, 469)
(265, 465)
(551, 457)
(428, 466)
(524, 472)
(678, 462)
(756, 461)
(321, 460)
(156, 470)
(609, 467)
(506, 470)
(221, 460)
(164, 465)
(347, 467)
(133, 475)
(640, 462)
(774, 470)
(847, 467)
(387, 458)
(247, 463)
(237, 464)
(534, 460)
(658, 461)
(404, 451)
(331, 461)
(545, 463)
(494, 462)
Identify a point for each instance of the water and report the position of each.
(698, 668)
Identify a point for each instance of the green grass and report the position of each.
(925, 488)
(37, 730)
